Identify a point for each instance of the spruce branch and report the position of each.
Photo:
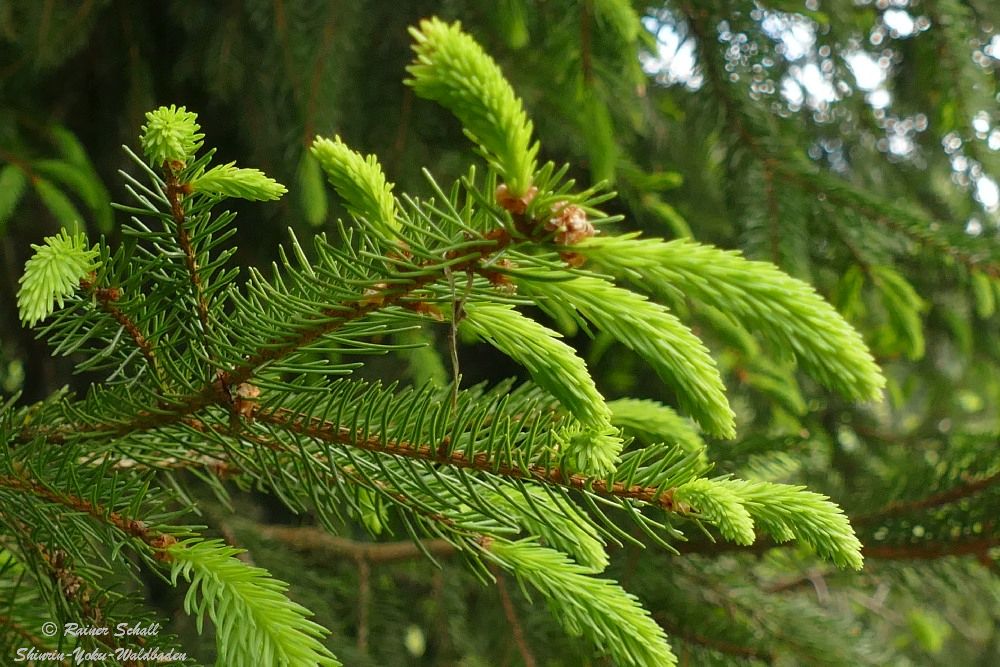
(217, 578)
(106, 299)
(320, 541)
(678, 356)
(334, 433)
(175, 195)
(130, 527)
(784, 164)
(554, 366)
(252, 401)
(72, 587)
(948, 496)
(904, 221)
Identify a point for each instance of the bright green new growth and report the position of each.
(561, 525)
(53, 273)
(787, 311)
(255, 623)
(359, 181)
(228, 180)
(171, 135)
(720, 506)
(453, 70)
(555, 366)
(648, 328)
(656, 422)
(598, 609)
(593, 451)
(783, 511)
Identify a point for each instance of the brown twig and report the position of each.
(317, 540)
(132, 527)
(364, 602)
(971, 487)
(330, 319)
(107, 297)
(175, 194)
(71, 586)
(933, 550)
(333, 433)
(712, 643)
(513, 620)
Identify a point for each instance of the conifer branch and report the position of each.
(336, 434)
(131, 527)
(969, 488)
(713, 643)
(319, 541)
(107, 298)
(71, 586)
(838, 192)
(332, 319)
(509, 611)
(914, 227)
(175, 194)
(254, 399)
(933, 550)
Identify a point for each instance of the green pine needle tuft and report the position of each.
(52, 274)
(720, 506)
(171, 135)
(255, 623)
(787, 311)
(653, 332)
(359, 181)
(555, 366)
(453, 70)
(598, 609)
(791, 512)
(231, 181)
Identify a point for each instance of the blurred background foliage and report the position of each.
(854, 143)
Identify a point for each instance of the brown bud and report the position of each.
(569, 223)
(516, 205)
(245, 399)
(574, 259)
